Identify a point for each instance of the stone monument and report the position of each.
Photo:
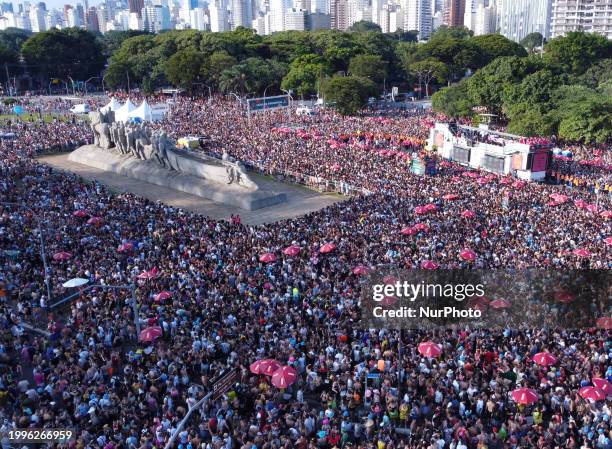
(138, 151)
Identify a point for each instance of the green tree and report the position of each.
(363, 26)
(531, 122)
(368, 66)
(111, 40)
(70, 52)
(216, 65)
(453, 101)
(349, 93)
(532, 41)
(588, 121)
(428, 70)
(253, 75)
(8, 62)
(577, 51)
(444, 32)
(493, 46)
(336, 47)
(286, 46)
(597, 74)
(184, 68)
(305, 73)
(535, 92)
(14, 38)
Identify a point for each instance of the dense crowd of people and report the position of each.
(219, 307)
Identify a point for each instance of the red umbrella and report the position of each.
(450, 196)
(479, 303)
(430, 349)
(291, 251)
(467, 254)
(361, 270)
(603, 385)
(95, 221)
(564, 296)
(605, 322)
(429, 265)
(581, 252)
(580, 204)
(150, 333)
(163, 295)
(267, 257)
(544, 359)
(505, 181)
(125, 248)
(421, 227)
(80, 213)
(327, 248)
(431, 207)
(389, 280)
(269, 366)
(408, 231)
(62, 255)
(524, 396)
(388, 300)
(284, 377)
(608, 241)
(606, 214)
(148, 275)
(592, 208)
(420, 210)
(592, 393)
(499, 304)
(255, 367)
(519, 184)
(468, 214)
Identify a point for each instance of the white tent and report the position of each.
(114, 105)
(122, 114)
(143, 112)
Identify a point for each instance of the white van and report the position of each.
(80, 108)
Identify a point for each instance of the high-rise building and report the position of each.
(92, 19)
(136, 6)
(318, 21)
(103, 17)
(295, 19)
(592, 16)
(339, 14)
(6, 7)
(197, 19)
(454, 10)
(37, 19)
(278, 9)
(218, 16)
(356, 9)
(156, 18)
(417, 16)
(241, 13)
(518, 18)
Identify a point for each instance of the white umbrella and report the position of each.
(76, 282)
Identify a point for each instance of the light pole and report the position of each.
(79, 282)
(289, 100)
(42, 246)
(92, 78)
(264, 96)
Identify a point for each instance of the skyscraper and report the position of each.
(339, 14)
(417, 16)
(218, 16)
(518, 18)
(135, 6)
(454, 10)
(586, 15)
(242, 13)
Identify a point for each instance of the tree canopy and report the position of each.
(349, 93)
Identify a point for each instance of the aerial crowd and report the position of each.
(220, 305)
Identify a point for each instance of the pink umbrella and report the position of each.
(388, 300)
(429, 349)
(269, 366)
(605, 322)
(606, 214)
(524, 396)
(505, 181)
(429, 265)
(581, 252)
(467, 254)
(431, 207)
(255, 367)
(608, 241)
(580, 204)
(420, 210)
(267, 257)
(592, 208)
(148, 275)
(284, 377)
(95, 221)
(292, 250)
(468, 214)
(163, 295)
(327, 248)
(408, 231)
(450, 197)
(544, 359)
(499, 304)
(389, 280)
(564, 296)
(125, 248)
(519, 184)
(559, 198)
(80, 213)
(553, 203)
(421, 227)
(603, 385)
(592, 393)
(361, 270)
(62, 255)
(150, 333)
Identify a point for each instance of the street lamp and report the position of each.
(264, 96)
(288, 92)
(79, 282)
(42, 246)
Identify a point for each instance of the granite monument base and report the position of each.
(113, 161)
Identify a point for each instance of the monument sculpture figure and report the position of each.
(141, 142)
